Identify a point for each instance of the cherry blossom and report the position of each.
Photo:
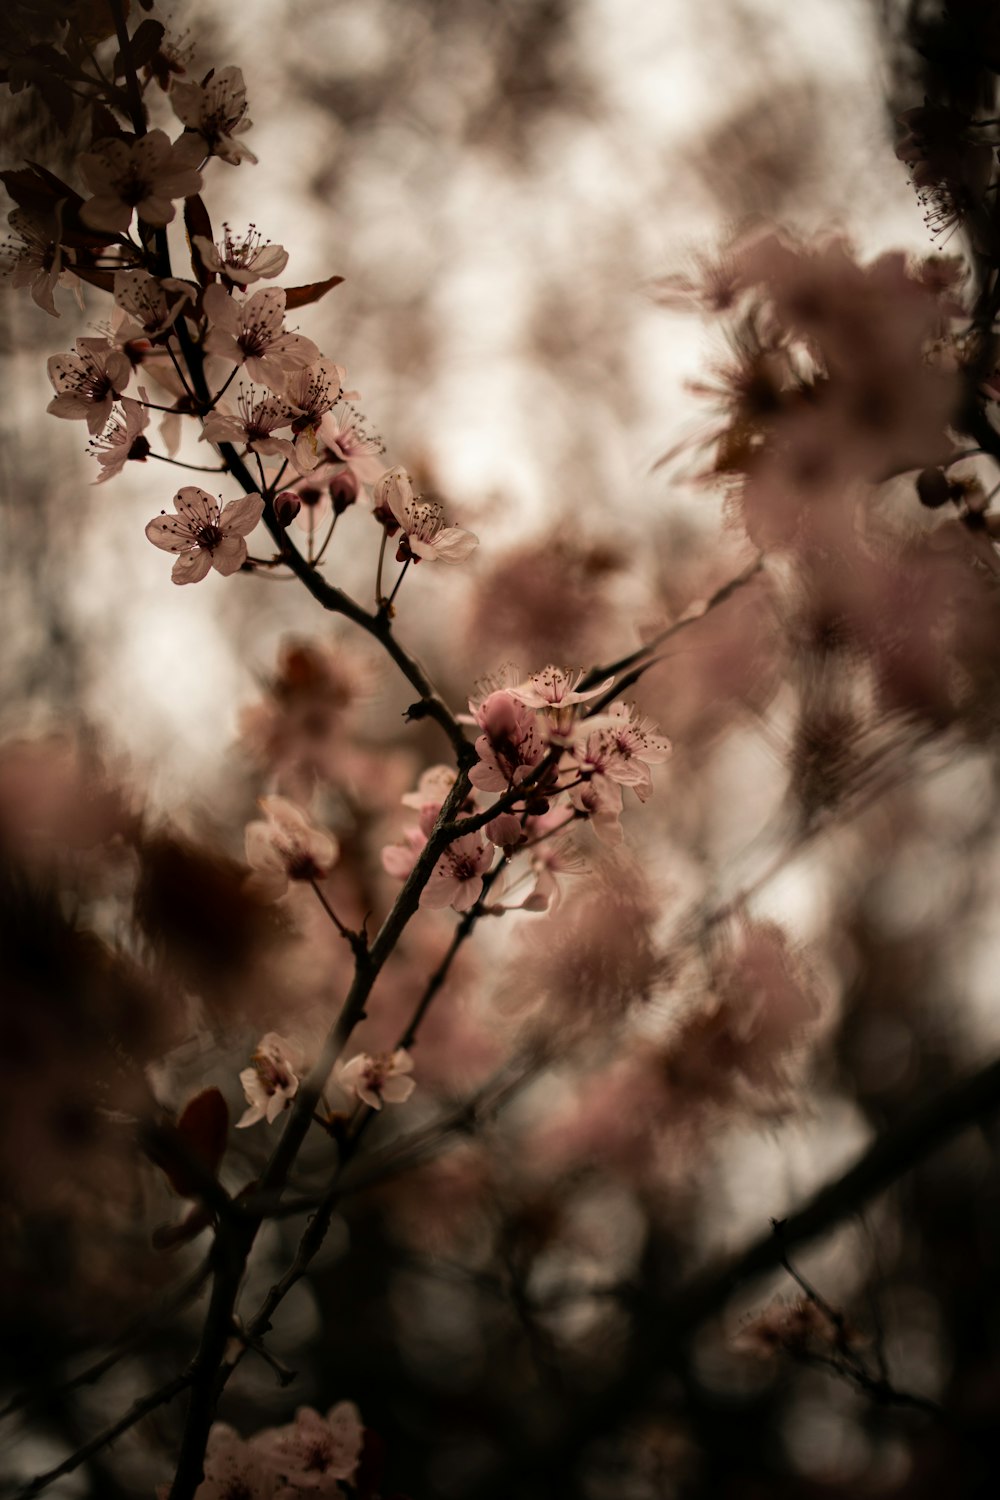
(421, 521)
(457, 878)
(378, 1079)
(399, 859)
(122, 439)
(313, 1452)
(241, 260)
(553, 687)
(88, 382)
(634, 748)
(142, 176)
(285, 846)
(344, 433)
(511, 746)
(32, 257)
(205, 533)
(253, 423)
(252, 332)
(154, 302)
(272, 1082)
(234, 1470)
(217, 111)
(431, 794)
(313, 391)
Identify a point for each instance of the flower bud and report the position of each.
(286, 507)
(933, 489)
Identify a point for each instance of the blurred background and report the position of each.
(508, 187)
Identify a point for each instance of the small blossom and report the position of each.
(314, 391)
(621, 746)
(315, 1451)
(344, 434)
(217, 111)
(252, 332)
(253, 423)
(143, 176)
(234, 1469)
(285, 846)
(154, 302)
(431, 794)
(554, 688)
(421, 521)
(378, 1079)
(122, 439)
(32, 257)
(272, 1082)
(457, 878)
(88, 382)
(205, 533)
(241, 260)
(399, 859)
(511, 746)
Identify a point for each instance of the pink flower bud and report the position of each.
(286, 507)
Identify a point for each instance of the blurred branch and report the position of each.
(142, 1329)
(135, 1413)
(924, 1130)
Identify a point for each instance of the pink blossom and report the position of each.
(217, 111)
(313, 1452)
(251, 331)
(285, 846)
(143, 176)
(254, 422)
(154, 302)
(431, 794)
(634, 747)
(32, 257)
(457, 878)
(421, 521)
(511, 746)
(122, 439)
(234, 1470)
(553, 687)
(600, 799)
(554, 857)
(399, 859)
(620, 745)
(241, 260)
(314, 391)
(344, 433)
(378, 1079)
(204, 533)
(88, 382)
(272, 1082)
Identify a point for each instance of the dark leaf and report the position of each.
(198, 1140)
(146, 42)
(197, 221)
(301, 296)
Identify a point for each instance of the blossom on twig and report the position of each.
(421, 522)
(142, 176)
(378, 1079)
(241, 260)
(87, 382)
(216, 110)
(285, 846)
(122, 439)
(251, 331)
(205, 533)
(272, 1082)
